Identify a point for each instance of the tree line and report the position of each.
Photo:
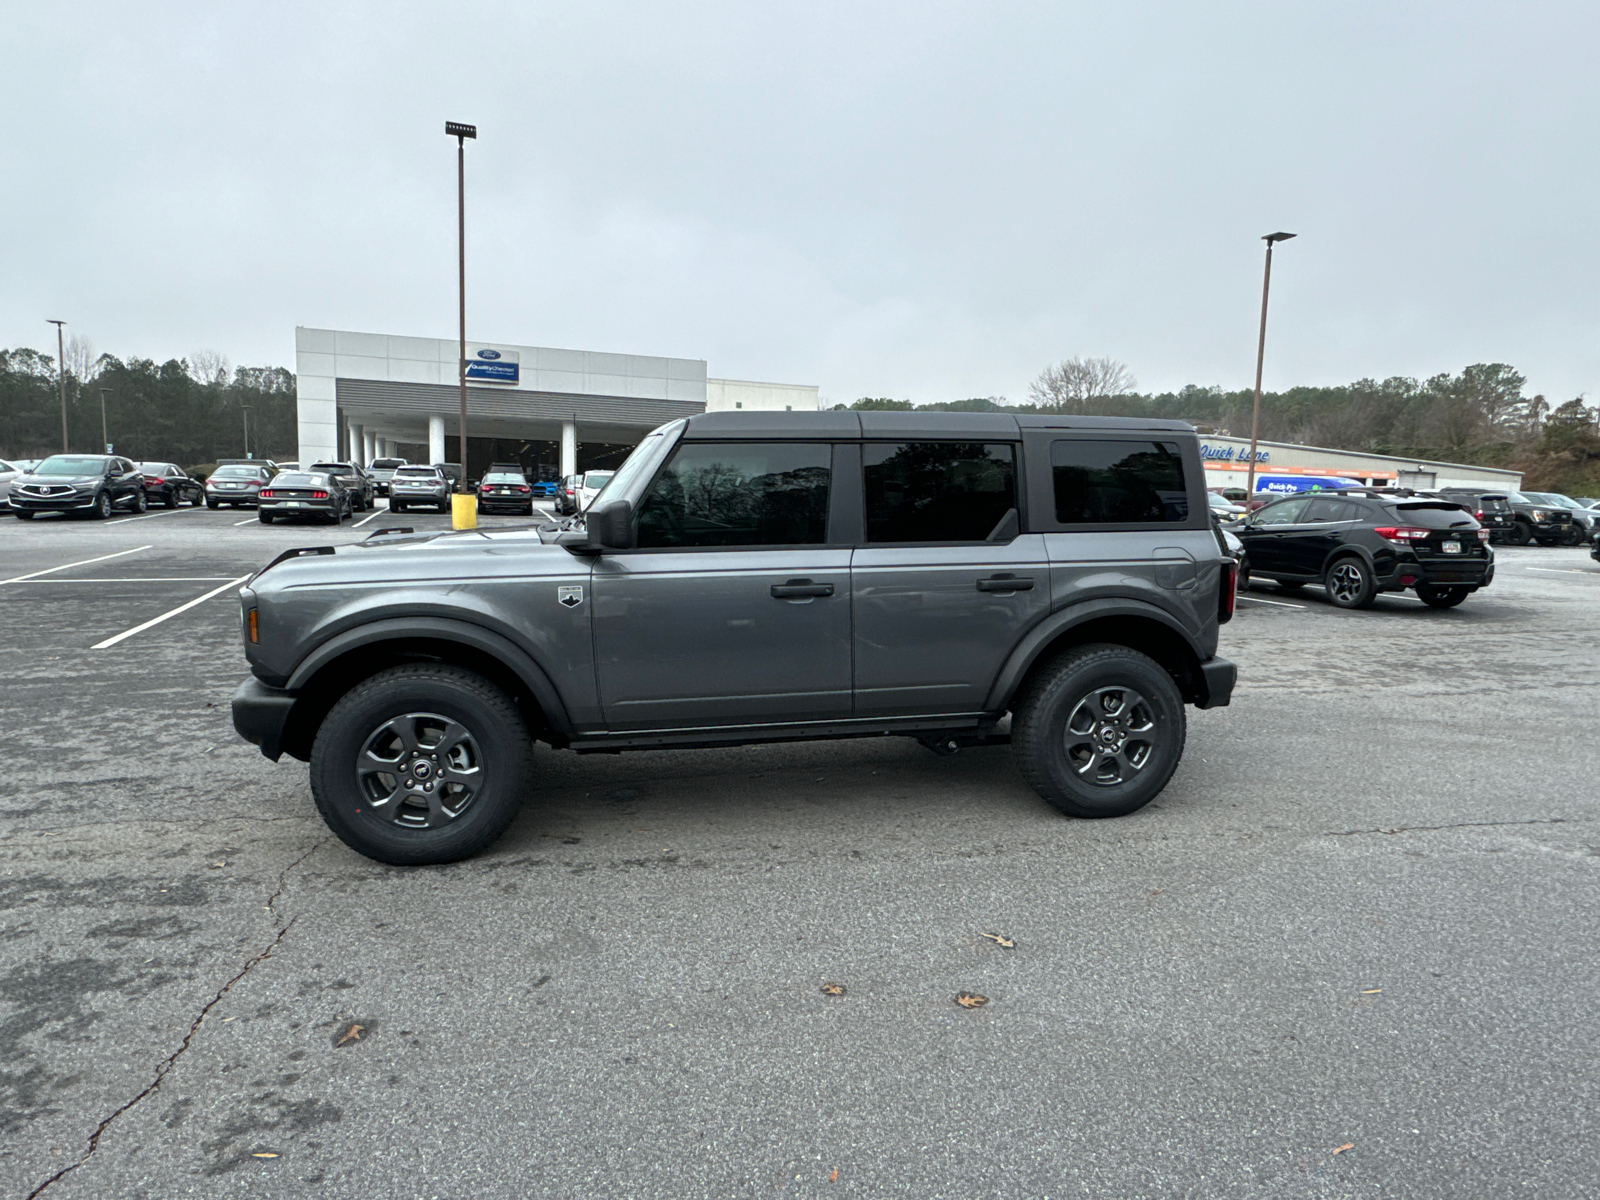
(189, 411)
(1481, 415)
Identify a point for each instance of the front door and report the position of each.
(732, 609)
(1267, 535)
(944, 585)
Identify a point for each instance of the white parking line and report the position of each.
(137, 579)
(1278, 603)
(68, 566)
(246, 521)
(171, 512)
(1561, 570)
(379, 513)
(182, 608)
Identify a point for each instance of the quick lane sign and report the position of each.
(488, 365)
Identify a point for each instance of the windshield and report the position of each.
(71, 464)
(387, 464)
(597, 479)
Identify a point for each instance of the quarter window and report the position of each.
(938, 491)
(735, 494)
(1107, 482)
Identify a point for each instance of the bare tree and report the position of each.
(1073, 383)
(81, 364)
(210, 366)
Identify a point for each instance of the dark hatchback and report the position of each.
(1358, 546)
(505, 491)
(316, 495)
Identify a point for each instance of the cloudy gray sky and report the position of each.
(919, 200)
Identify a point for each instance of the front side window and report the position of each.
(938, 491)
(1284, 512)
(739, 494)
(1114, 482)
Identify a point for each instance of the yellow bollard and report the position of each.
(463, 512)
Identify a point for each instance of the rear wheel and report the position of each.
(264, 517)
(1572, 537)
(1099, 731)
(396, 508)
(1441, 597)
(1350, 584)
(422, 763)
(171, 498)
(24, 515)
(141, 502)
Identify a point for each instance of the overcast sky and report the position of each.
(916, 200)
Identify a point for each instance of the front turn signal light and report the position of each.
(255, 631)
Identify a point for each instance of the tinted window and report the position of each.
(503, 477)
(1284, 512)
(300, 479)
(732, 494)
(938, 491)
(236, 473)
(1115, 482)
(416, 473)
(1333, 510)
(1433, 516)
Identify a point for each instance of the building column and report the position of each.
(569, 448)
(436, 441)
(357, 440)
(370, 438)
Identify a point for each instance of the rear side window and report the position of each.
(1323, 509)
(736, 494)
(1105, 482)
(1432, 516)
(938, 491)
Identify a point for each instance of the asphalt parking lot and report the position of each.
(1347, 953)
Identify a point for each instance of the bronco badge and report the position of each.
(569, 595)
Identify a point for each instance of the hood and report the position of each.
(457, 556)
(48, 480)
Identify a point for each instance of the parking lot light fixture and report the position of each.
(461, 133)
(1271, 239)
(61, 379)
(244, 413)
(105, 437)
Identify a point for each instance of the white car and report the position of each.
(8, 472)
(590, 486)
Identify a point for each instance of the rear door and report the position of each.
(944, 583)
(1321, 530)
(734, 608)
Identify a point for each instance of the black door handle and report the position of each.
(1005, 583)
(799, 589)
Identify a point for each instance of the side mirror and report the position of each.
(611, 527)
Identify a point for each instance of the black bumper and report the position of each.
(1217, 678)
(260, 714)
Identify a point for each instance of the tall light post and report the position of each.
(105, 438)
(244, 413)
(1271, 240)
(61, 377)
(461, 133)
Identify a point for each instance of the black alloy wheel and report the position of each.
(171, 499)
(421, 763)
(1441, 597)
(1099, 730)
(102, 506)
(1572, 537)
(1240, 588)
(24, 515)
(141, 502)
(1350, 583)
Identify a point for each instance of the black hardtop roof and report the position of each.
(879, 424)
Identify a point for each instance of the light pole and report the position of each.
(61, 378)
(105, 438)
(244, 413)
(1270, 239)
(461, 133)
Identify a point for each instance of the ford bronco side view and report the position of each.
(756, 577)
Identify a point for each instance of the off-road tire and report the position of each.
(489, 715)
(1441, 597)
(1041, 740)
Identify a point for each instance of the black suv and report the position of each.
(756, 578)
(1490, 509)
(1358, 546)
(1547, 524)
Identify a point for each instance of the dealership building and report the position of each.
(372, 395)
(1227, 463)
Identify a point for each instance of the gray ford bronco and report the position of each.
(755, 577)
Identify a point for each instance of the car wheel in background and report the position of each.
(1441, 597)
(1099, 730)
(264, 517)
(1520, 534)
(24, 515)
(141, 502)
(1240, 588)
(1572, 537)
(102, 506)
(213, 504)
(422, 763)
(172, 499)
(396, 508)
(445, 507)
(1350, 584)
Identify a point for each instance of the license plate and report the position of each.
(1452, 547)
(296, 504)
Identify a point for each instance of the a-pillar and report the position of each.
(569, 448)
(436, 440)
(357, 441)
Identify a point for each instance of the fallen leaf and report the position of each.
(221, 862)
(833, 989)
(1001, 940)
(263, 1154)
(353, 1034)
(1346, 1146)
(971, 1000)
(833, 1175)
(1371, 991)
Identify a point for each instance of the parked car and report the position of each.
(1490, 509)
(1534, 520)
(1359, 546)
(505, 491)
(452, 473)
(236, 484)
(95, 484)
(354, 480)
(1224, 508)
(592, 484)
(8, 472)
(410, 487)
(382, 471)
(272, 467)
(1583, 518)
(567, 495)
(169, 484)
(789, 577)
(1594, 547)
(318, 494)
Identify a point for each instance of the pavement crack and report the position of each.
(165, 1066)
(1455, 825)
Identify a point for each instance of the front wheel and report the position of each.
(396, 508)
(24, 515)
(422, 763)
(1441, 597)
(102, 506)
(1520, 534)
(1350, 583)
(213, 505)
(1099, 731)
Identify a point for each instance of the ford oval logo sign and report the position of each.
(489, 354)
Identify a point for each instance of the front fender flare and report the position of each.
(446, 630)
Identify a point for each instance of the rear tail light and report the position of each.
(1228, 595)
(1402, 536)
(1483, 535)
(1479, 514)
(319, 495)
(154, 480)
(267, 493)
(526, 491)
